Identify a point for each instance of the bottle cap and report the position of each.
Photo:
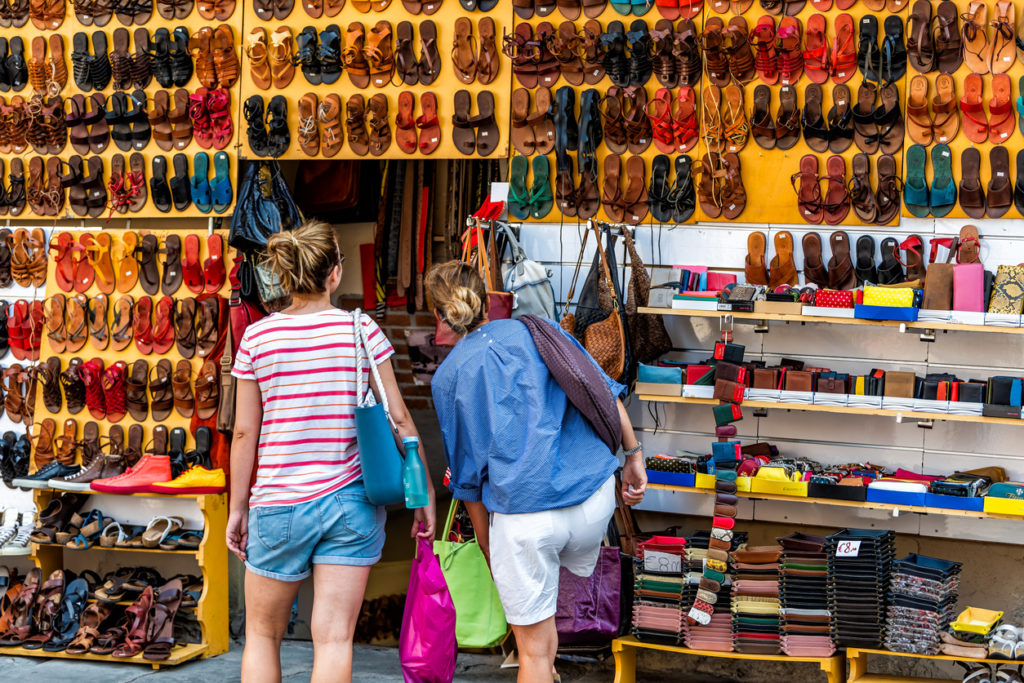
(411, 439)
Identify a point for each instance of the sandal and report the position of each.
(207, 396)
(121, 329)
(163, 326)
(184, 401)
(808, 191)
(782, 268)
(135, 390)
(889, 188)
(161, 390)
(160, 629)
(814, 267)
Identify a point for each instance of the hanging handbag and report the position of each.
(479, 616)
(528, 282)
(647, 333)
(379, 457)
(268, 283)
(588, 609)
(264, 207)
(228, 383)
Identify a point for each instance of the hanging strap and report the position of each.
(362, 349)
(576, 273)
(605, 269)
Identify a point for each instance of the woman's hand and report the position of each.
(634, 475)
(238, 532)
(424, 521)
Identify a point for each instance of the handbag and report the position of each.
(1008, 291)
(605, 339)
(479, 616)
(379, 457)
(268, 283)
(647, 334)
(938, 280)
(968, 287)
(527, 281)
(264, 207)
(427, 647)
(588, 607)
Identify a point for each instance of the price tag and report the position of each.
(665, 563)
(848, 549)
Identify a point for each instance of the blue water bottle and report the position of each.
(414, 476)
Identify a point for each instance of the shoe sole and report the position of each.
(31, 483)
(102, 488)
(192, 491)
(60, 485)
(8, 552)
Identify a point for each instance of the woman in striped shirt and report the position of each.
(307, 512)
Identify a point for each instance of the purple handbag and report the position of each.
(589, 608)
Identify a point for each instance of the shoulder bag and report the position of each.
(479, 616)
(647, 334)
(528, 282)
(379, 457)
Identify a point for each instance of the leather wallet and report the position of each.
(726, 413)
(971, 392)
(968, 287)
(700, 374)
(766, 378)
(1000, 390)
(900, 384)
(729, 352)
(791, 363)
(731, 372)
(799, 380)
(728, 391)
(831, 385)
(1008, 291)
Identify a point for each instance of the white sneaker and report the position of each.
(19, 545)
(8, 526)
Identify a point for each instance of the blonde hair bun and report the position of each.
(459, 295)
(303, 258)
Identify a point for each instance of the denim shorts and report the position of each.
(343, 527)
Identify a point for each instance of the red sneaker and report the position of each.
(91, 373)
(150, 469)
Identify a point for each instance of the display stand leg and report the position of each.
(625, 662)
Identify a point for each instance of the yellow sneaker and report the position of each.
(196, 479)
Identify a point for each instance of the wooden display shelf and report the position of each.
(864, 505)
(845, 410)
(858, 660)
(178, 655)
(790, 318)
(624, 650)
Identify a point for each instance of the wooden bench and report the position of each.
(858, 660)
(624, 650)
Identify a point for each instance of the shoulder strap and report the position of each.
(576, 273)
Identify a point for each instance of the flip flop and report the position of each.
(919, 123)
(541, 199)
(915, 188)
(518, 195)
(943, 191)
(840, 267)
(1000, 111)
(970, 245)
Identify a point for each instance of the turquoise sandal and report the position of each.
(91, 528)
(200, 182)
(221, 184)
(518, 195)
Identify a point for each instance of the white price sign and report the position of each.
(848, 549)
(655, 561)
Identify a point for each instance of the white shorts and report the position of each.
(528, 549)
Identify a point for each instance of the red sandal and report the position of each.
(35, 337)
(62, 246)
(202, 131)
(142, 325)
(163, 327)
(16, 329)
(766, 59)
(213, 266)
(659, 111)
(84, 272)
(684, 120)
(114, 395)
(191, 271)
(816, 55)
(844, 54)
(218, 107)
(91, 373)
(788, 41)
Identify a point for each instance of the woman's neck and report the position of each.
(314, 303)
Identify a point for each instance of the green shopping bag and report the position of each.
(479, 617)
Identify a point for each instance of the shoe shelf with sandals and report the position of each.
(132, 614)
(131, 339)
(378, 79)
(131, 109)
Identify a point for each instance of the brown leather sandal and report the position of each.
(161, 390)
(121, 327)
(806, 183)
(635, 199)
(308, 134)
(487, 63)
(841, 274)
(355, 122)
(56, 332)
(98, 330)
(207, 397)
(611, 190)
(783, 268)
(162, 130)
(734, 195)
(77, 315)
(380, 129)
(225, 60)
(207, 326)
(754, 268)
(329, 115)
(354, 56)
(614, 123)
(709, 191)
(135, 390)
(464, 51)
(259, 64)
(282, 61)
(48, 374)
(184, 401)
(184, 327)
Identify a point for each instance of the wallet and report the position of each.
(732, 353)
(731, 372)
(700, 375)
(970, 392)
(831, 385)
(726, 413)
(766, 378)
(1001, 391)
(656, 374)
(799, 380)
(726, 390)
(833, 298)
(900, 384)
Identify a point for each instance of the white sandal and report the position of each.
(976, 673)
(1000, 647)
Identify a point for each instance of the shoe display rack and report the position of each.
(90, 99)
(205, 511)
(352, 80)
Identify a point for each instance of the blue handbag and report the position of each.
(379, 457)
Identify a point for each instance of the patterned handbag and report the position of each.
(881, 296)
(1008, 291)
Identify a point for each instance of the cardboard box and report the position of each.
(658, 389)
(670, 478)
(779, 307)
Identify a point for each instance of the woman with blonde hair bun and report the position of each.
(536, 477)
(307, 513)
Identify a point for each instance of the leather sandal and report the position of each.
(814, 267)
(762, 123)
(919, 122)
(99, 333)
(782, 268)
(161, 390)
(946, 122)
(716, 59)
(709, 190)
(949, 53)
(184, 401)
(207, 395)
(142, 325)
(862, 196)
(734, 196)
(135, 390)
(971, 191)
(969, 246)
(163, 326)
(56, 330)
(807, 185)
(358, 139)
(1000, 110)
(329, 116)
(840, 266)
(121, 328)
(865, 128)
(787, 123)
(977, 50)
(1000, 187)
(380, 130)
(890, 188)
(259, 63)
(464, 51)
(207, 326)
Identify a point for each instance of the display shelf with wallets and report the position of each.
(756, 318)
(894, 509)
(625, 649)
(847, 410)
(129, 367)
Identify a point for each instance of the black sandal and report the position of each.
(256, 132)
(180, 191)
(99, 65)
(278, 136)
(117, 121)
(683, 196)
(658, 193)
(138, 119)
(181, 58)
(158, 189)
(160, 58)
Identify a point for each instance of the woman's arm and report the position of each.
(481, 527)
(248, 420)
(634, 474)
(403, 422)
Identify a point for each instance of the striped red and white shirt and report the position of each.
(305, 367)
